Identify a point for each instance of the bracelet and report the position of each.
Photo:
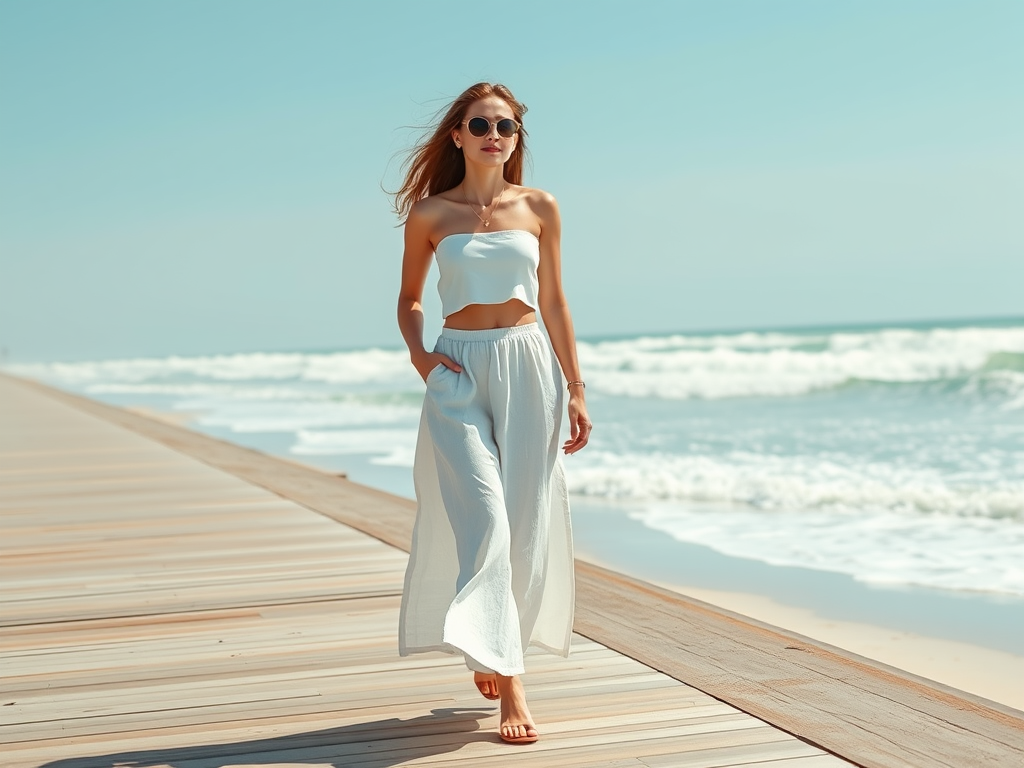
(581, 383)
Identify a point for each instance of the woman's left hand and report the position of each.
(579, 425)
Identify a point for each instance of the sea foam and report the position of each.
(975, 554)
(780, 365)
(975, 359)
(797, 483)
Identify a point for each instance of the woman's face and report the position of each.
(491, 149)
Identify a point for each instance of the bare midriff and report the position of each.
(481, 317)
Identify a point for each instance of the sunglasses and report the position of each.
(481, 126)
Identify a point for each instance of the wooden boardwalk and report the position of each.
(162, 607)
(159, 612)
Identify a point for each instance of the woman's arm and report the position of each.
(415, 265)
(557, 319)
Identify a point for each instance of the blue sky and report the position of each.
(194, 177)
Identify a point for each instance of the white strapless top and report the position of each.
(487, 268)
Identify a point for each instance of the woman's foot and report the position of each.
(516, 723)
(486, 684)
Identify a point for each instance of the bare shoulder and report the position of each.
(426, 212)
(544, 206)
(434, 216)
(539, 199)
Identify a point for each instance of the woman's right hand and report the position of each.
(428, 361)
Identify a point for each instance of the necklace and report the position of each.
(486, 222)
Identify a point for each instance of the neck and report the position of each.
(482, 185)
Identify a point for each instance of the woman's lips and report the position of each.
(492, 149)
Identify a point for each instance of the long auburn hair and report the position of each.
(435, 164)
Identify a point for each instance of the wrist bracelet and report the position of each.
(581, 383)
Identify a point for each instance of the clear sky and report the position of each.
(195, 176)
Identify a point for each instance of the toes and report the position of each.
(520, 733)
(487, 686)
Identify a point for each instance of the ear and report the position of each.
(457, 139)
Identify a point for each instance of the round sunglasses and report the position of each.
(481, 126)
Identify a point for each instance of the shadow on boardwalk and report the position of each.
(376, 744)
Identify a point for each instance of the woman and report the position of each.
(491, 567)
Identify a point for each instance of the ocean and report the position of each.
(893, 455)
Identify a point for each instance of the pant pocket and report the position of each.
(434, 371)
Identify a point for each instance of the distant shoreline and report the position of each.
(1008, 321)
(10, 361)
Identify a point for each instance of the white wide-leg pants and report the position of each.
(491, 567)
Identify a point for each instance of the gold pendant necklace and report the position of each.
(486, 222)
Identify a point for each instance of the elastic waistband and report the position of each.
(492, 334)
